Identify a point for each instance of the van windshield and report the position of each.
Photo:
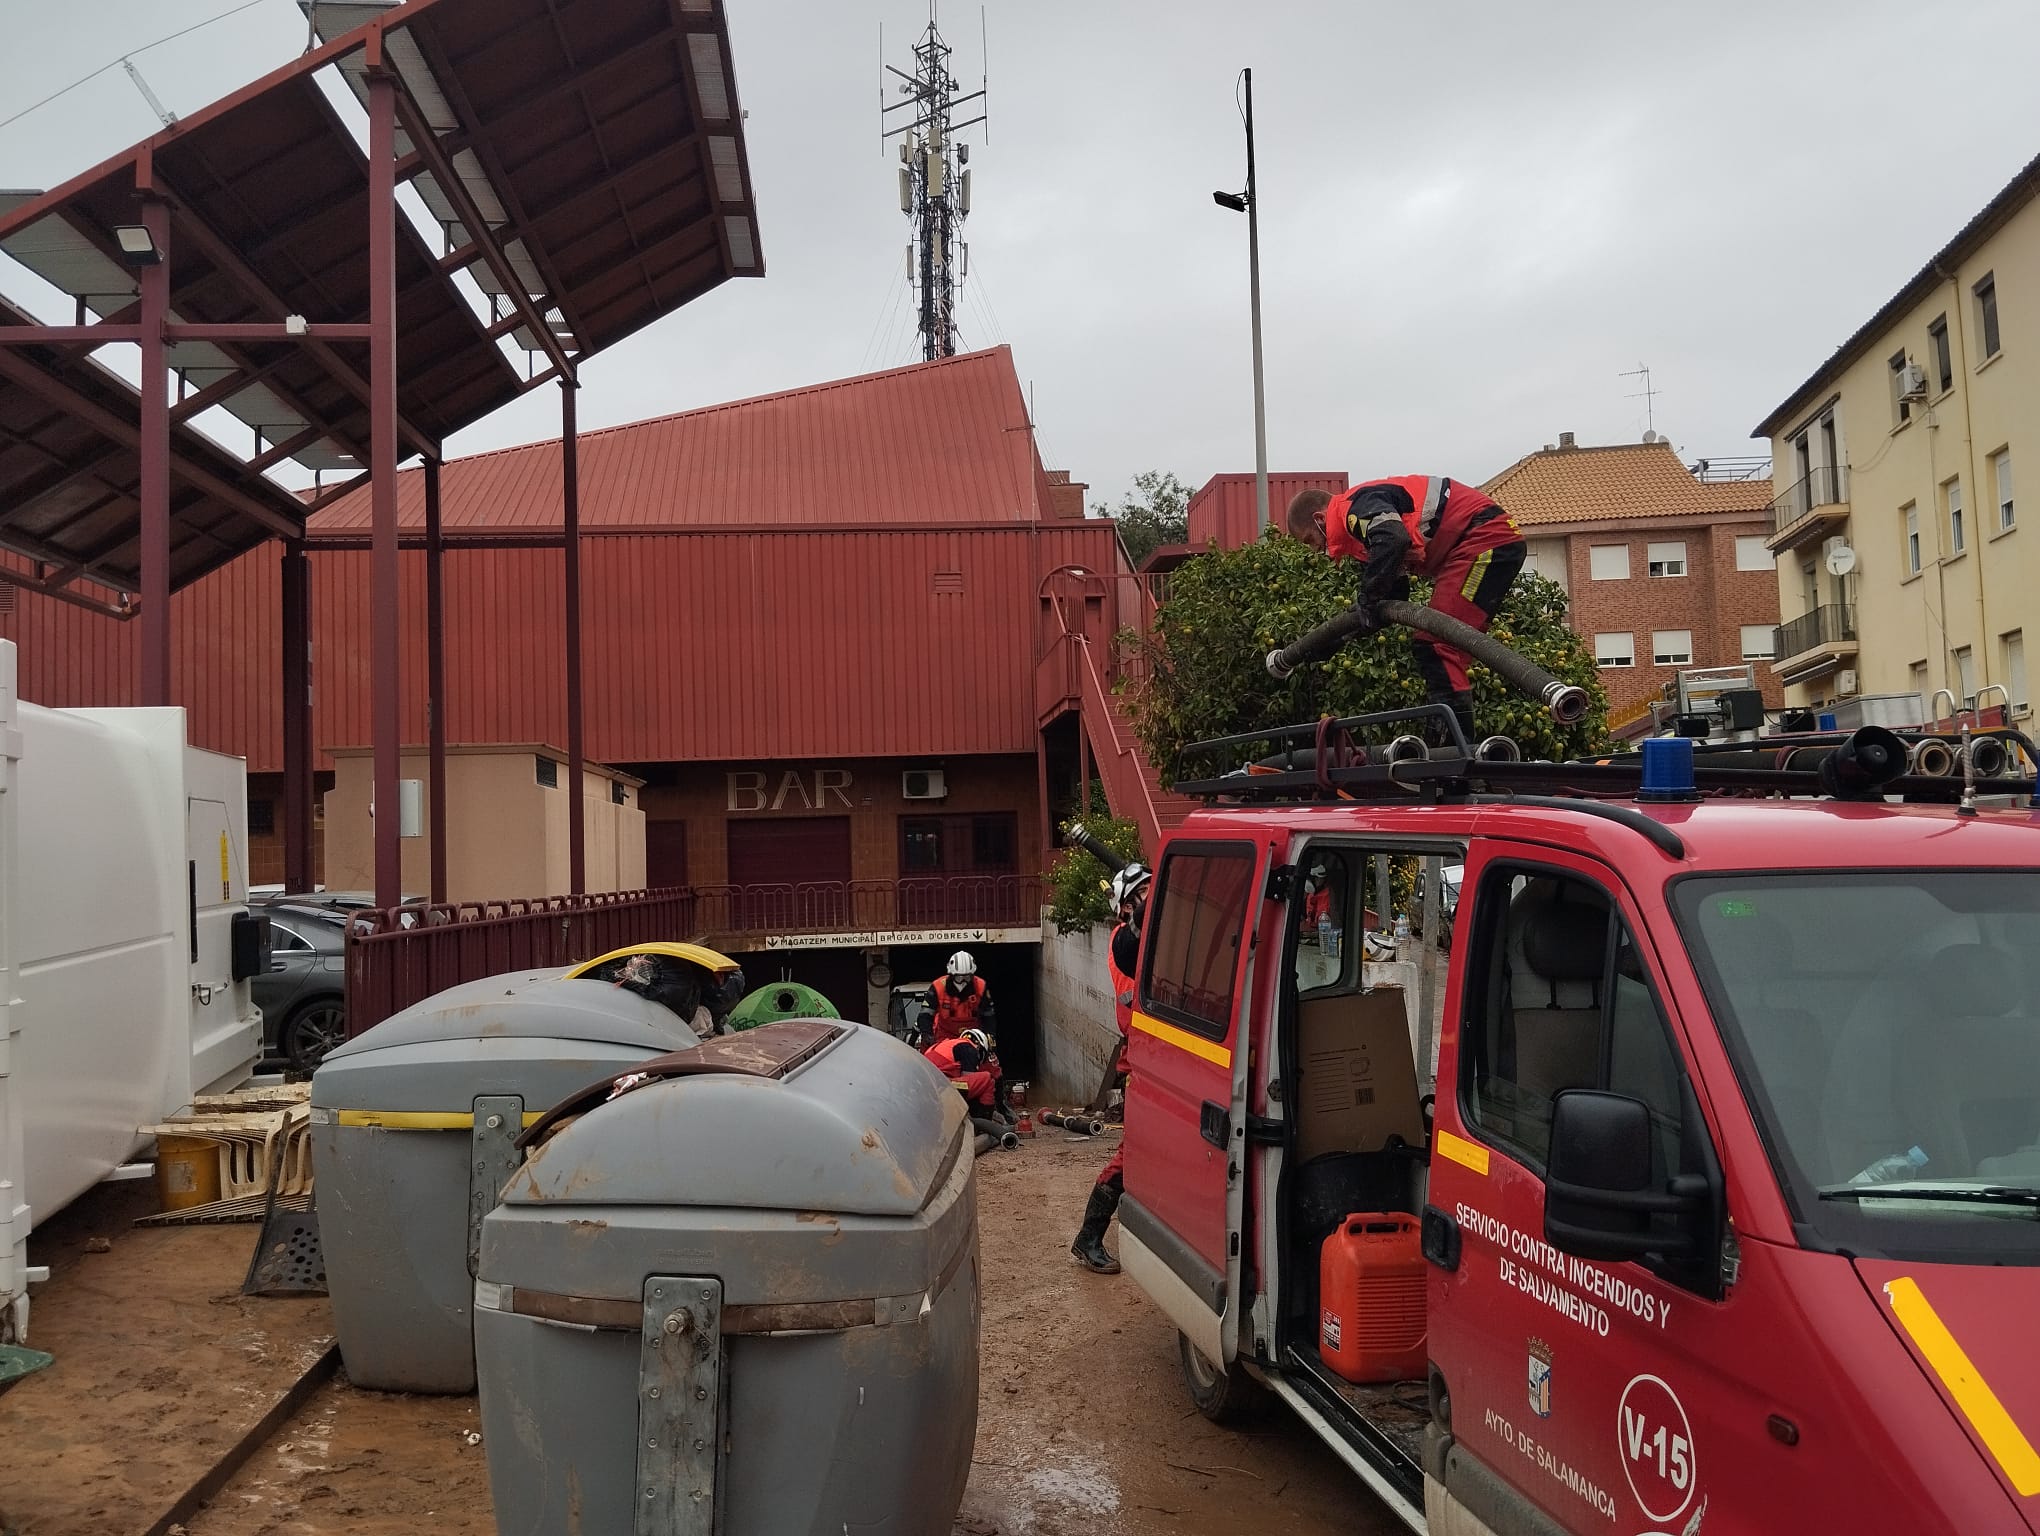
(1885, 1029)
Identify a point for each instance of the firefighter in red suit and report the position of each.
(1122, 961)
(957, 1001)
(1451, 534)
(967, 1058)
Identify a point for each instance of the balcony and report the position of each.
(1814, 507)
(1815, 643)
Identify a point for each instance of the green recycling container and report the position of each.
(781, 1000)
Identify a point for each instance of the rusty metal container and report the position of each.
(740, 1298)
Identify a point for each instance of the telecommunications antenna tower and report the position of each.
(934, 179)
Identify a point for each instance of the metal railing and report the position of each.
(1825, 624)
(1824, 487)
(403, 955)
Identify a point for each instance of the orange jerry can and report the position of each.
(1371, 1298)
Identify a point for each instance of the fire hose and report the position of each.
(1079, 1125)
(1077, 837)
(1567, 703)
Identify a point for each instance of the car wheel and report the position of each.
(1228, 1396)
(312, 1031)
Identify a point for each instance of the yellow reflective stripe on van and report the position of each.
(1182, 1039)
(1468, 1154)
(419, 1119)
(1987, 1416)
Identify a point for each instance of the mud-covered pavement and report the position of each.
(1083, 1425)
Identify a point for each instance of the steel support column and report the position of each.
(435, 676)
(386, 718)
(1041, 797)
(298, 874)
(154, 452)
(1083, 765)
(570, 473)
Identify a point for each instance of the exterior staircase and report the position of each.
(1069, 679)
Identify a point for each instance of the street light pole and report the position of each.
(1254, 292)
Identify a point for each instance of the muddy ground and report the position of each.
(1083, 1426)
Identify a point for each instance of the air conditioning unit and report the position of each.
(1912, 382)
(1845, 682)
(924, 784)
(2022, 711)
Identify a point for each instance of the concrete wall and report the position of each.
(1073, 1007)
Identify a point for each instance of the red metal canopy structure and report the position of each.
(572, 169)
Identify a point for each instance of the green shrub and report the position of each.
(1226, 611)
(1080, 888)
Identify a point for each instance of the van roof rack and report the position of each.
(1328, 759)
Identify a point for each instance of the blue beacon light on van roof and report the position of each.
(1668, 770)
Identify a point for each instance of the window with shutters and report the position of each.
(1608, 562)
(1759, 642)
(1615, 650)
(1987, 314)
(1671, 647)
(1667, 559)
(1751, 555)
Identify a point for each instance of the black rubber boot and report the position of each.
(1461, 705)
(1089, 1247)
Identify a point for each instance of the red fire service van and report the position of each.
(1725, 1213)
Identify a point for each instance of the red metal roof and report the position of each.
(1222, 510)
(940, 442)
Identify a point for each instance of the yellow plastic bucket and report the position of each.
(187, 1172)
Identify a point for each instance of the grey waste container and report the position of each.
(740, 1300)
(413, 1126)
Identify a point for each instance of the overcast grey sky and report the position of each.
(1475, 215)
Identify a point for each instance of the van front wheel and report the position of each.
(1223, 1395)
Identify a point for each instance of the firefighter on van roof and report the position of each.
(956, 1001)
(1122, 960)
(1447, 532)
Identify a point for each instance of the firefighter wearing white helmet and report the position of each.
(959, 1000)
(1122, 960)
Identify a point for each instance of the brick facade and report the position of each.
(1569, 499)
(1713, 601)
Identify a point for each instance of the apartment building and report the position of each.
(1663, 569)
(1901, 568)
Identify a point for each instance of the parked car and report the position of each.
(303, 994)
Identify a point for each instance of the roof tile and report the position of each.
(1623, 480)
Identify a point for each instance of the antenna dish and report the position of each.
(1840, 560)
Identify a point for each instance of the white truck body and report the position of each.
(123, 861)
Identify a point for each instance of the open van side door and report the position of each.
(1186, 1059)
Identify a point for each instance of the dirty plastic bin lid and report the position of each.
(521, 1015)
(781, 1000)
(803, 1114)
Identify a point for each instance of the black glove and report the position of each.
(1367, 610)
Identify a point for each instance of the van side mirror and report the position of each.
(1599, 1202)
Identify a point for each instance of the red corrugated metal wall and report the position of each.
(698, 646)
(1222, 510)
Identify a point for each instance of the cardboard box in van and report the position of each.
(1358, 1081)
